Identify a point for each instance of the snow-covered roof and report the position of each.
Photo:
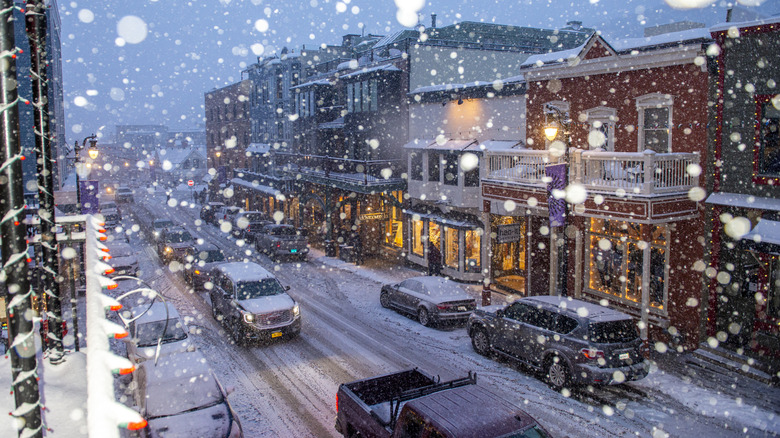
(384, 67)
(418, 143)
(258, 148)
(721, 27)
(744, 201)
(765, 231)
(156, 312)
(256, 186)
(628, 44)
(244, 271)
(466, 86)
(177, 156)
(548, 58)
(440, 286)
(310, 83)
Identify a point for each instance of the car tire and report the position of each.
(558, 375)
(384, 300)
(424, 317)
(480, 342)
(236, 333)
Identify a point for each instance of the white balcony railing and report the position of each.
(644, 173)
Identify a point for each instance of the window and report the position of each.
(655, 122)
(362, 96)
(616, 261)
(773, 288)
(433, 167)
(279, 85)
(471, 176)
(350, 98)
(767, 137)
(416, 166)
(417, 237)
(451, 169)
(451, 247)
(602, 127)
(516, 311)
(473, 250)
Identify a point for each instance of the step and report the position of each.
(732, 361)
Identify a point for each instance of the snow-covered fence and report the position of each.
(104, 414)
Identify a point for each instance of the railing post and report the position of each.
(576, 167)
(648, 167)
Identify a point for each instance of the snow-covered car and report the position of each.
(158, 225)
(252, 304)
(180, 397)
(146, 325)
(433, 299)
(200, 263)
(174, 244)
(123, 259)
(111, 218)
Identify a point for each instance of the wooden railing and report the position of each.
(645, 173)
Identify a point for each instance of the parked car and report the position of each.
(158, 225)
(146, 324)
(571, 341)
(181, 397)
(123, 259)
(226, 214)
(108, 206)
(245, 222)
(282, 240)
(433, 299)
(252, 304)
(124, 194)
(209, 212)
(413, 403)
(174, 244)
(201, 262)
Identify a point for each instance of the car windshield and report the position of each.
(146, 334)
(107, 206)
(179, 236)
(253, 217)
(213, 255)
(257, 289)
(611, 332)
(163, 224)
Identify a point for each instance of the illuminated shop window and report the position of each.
(616, 262)
(451, 247)
(417, 238)
(394, 225)
(473, 242)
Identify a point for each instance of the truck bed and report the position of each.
(377, 390)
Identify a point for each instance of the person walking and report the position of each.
(434, 259)
(357, 248)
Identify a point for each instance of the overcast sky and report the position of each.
(151, 61)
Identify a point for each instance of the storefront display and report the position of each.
(509, 252)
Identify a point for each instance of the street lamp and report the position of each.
(93, 154)
(557, 206)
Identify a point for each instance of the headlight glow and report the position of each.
(249, 318)
(296, 310)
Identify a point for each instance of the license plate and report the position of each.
(624, 356)
(276, 334)
(293, 251)
(461, 308)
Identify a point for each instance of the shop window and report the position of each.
(655, 122)
(616, 262)
(473, 242)
(451, 169)
(394, 225)
(417, 238)
(451, 247)
(416, 166)
(433, 166)
(767, 137)
(471, 177)
(773, 289)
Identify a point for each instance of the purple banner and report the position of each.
(88, 190)
(557, 207)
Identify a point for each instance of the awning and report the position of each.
(496, 145)
(744, 201)
(451, 145)
(268, 190)
(764, 237)
(418, 144)
(258, 148)
(452, 220)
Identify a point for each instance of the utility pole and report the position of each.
(13, 273)
(35, 16)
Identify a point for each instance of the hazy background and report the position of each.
(150, 61)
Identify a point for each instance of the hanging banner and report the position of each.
(557, 207)
(88, 191)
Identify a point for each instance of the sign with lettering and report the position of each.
(373, 216)
(508, 233)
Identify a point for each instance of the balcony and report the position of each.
(631, 173)
(359, 175)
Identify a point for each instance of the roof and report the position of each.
(244, 271)
(582, 308)
(497, 416)
(765, 231)
(311, 83)
(741, 200)
(378, 68)
(441, 286)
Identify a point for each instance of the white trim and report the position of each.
(607, 116)
(649, 101)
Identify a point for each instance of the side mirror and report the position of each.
(287, 288)
(500, 313)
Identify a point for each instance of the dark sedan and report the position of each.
(433, 299)
(200, 262)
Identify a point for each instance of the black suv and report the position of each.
(572, 341)
(174, 243)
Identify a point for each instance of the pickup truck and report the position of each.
(413, 403)
(281, 240)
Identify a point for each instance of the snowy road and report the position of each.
(288, 388)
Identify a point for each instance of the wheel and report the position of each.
(480, 342)
(424, 317)
(384, 300)
(557, 373)
(237, 333)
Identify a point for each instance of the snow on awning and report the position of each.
(268, 190)
(386, 67)
(418, 144)
(258, 148)
(764, 237)
(452, 220)
(497, 145)
(744, 201)
(451, 145)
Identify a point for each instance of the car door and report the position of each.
(537, 333)
(510, 330)
(405, 297)
(217, 294)
(228, 295)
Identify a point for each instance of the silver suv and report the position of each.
(571, 341)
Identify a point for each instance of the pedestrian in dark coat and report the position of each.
(357, 248)
(434, 260)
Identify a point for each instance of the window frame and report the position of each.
(434, 161)
(607, 116)
(759, 176)
(654, 101)
(416, 172)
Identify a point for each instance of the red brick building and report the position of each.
(228, 128)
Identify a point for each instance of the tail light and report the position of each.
(337, 402)
(278, 244)
(592, 354)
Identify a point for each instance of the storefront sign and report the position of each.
(508, 233)
(373, 216)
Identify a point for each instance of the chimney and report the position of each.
(433, 21)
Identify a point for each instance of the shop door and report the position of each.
(766, 329)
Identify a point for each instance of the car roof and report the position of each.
(206, 246)
(439, 285)
(594, 312)
(162, 221)
(155, 313)
(244, 271)
(496, 416)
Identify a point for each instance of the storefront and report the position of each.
(458, 236)
(509, 253)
